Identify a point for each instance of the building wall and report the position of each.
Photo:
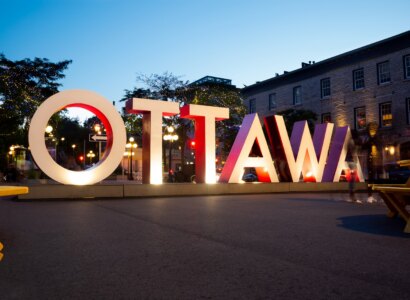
(344, 99)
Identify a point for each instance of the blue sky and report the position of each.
(111, 41)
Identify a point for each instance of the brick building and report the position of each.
(365, 88)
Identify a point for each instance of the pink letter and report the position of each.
(238, 159)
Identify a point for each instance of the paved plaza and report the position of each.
(270, 246)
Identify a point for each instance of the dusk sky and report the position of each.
(111, 41)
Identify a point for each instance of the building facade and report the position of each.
(367, 89)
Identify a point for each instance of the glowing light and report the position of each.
(49, 129)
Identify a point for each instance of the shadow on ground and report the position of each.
(375, 224)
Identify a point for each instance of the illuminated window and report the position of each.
(297, 95)
(326, 118)
(406, 60)
(358, 79)
(272, 101)
(386, 117)
(360, 118)
(252, 106)
(383, 72)
(325, 88)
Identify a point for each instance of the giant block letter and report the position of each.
(104, 110)
(238, 159)
(152, 112)
(301, 153)
(205, 117)
(337, 156)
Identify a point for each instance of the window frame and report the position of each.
(272, 107)
(322, 88)
(252, 105)
(299, 87)
(379, 65)
(406, 66)
(355, 88)
(381, 114)
(356, 109)
(408, 110)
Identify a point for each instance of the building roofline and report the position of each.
(378, 48)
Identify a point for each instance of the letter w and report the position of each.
(302, 154)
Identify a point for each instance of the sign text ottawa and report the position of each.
(320, 158)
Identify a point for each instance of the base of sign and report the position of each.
(132, 190)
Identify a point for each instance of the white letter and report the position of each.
(103, 109)
(152, 112)
(205, 117)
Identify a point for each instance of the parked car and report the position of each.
(250, 177)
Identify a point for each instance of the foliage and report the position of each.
(292, 116)
(168, 87)
(24, 85)
(222, 96)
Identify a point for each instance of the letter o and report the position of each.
(104, 110)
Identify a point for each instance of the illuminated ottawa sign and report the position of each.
(320, 159)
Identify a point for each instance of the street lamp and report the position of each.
(131, 146)
(97, 129)
(171, 137)
(49, 129)
(91, 155)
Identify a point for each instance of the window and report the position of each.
(325, 88)
(297, 95)
(358, 79)
(408, 110)
(326, 118)
(252, 106)
(272, 101)
(386, 117)
(383, 72)
(360, 118)
(406, 60)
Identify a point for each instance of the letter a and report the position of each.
(336, 163)
(238, 159)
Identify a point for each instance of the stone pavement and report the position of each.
(281, 246)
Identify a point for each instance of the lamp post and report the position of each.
(49, 130)
(73, 146)
(371, 154)
(171, 137)
(97, 129)
(131, 146)
(91, 155)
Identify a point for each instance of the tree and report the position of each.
(165, 87)
(168, 87)
(292, 116)
(222, 96)
(24, 85)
